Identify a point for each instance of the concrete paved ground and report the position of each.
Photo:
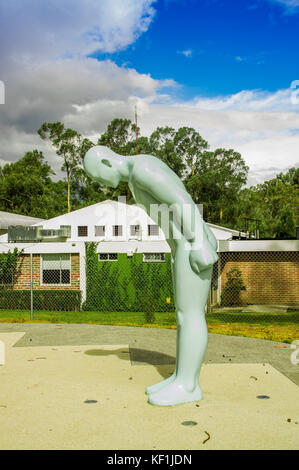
(52, 370)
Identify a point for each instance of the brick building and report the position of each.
(269, 269)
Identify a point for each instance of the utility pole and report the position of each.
(136, 125)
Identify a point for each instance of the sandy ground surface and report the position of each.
(91, 396)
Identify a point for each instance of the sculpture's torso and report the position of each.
(147, 167)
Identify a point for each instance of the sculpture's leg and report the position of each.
(191, 296)
(159, 385)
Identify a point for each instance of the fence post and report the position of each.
(219, 279)
(31, 288)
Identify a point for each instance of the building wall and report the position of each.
(23, 279)
(270, 277)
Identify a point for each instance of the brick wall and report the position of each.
(270, 277)
(22, 281)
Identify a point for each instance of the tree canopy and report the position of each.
(214, 178)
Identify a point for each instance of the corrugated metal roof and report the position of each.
(7, 218)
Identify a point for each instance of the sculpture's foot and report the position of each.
(174, 394)
(159, 385)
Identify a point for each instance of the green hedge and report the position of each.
(127, 285)
(65, 300)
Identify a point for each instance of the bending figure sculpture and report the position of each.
(193, 254)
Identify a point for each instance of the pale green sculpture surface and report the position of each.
(193, 254)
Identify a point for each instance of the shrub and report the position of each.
(231, 294)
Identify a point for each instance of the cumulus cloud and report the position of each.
(251, 100)
(34, 29)
(48, 78)
(266, 140)
(87, 94)
(84, 93)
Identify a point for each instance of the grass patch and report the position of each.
(284, 328)
(285, 333)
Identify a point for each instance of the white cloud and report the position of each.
(87, 94)
(84, 93)
(250, 100)
(48, 79)
(34, 29)
(186, 53)
(291, 6)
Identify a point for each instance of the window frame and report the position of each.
(136, 232)
(104, 230)
(82, 226)
(153, 260)
(42, 284)
(113, 230)
(108, 254)
(149, 229)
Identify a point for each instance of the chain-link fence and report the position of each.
(253, 288)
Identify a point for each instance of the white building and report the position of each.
(59, 243)
(115, 223)
(57, 249)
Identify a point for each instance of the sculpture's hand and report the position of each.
(203, 258)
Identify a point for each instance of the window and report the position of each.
(117, 230)
(153, 230)
(56, 269)
(82, 231)
(134, 230)
(99, 230)
(148, 257)
(67, 229)
(108, 257)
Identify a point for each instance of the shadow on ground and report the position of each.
(139, 357)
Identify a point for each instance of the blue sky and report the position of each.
(218, 47)
(223, 67)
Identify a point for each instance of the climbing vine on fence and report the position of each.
(128, 284)
(9, 269)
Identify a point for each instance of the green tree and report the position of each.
(162, 146)
(216, 183)
(119, 136)
(25, 186)
(275, 204)
(189, 146)
(68, 144)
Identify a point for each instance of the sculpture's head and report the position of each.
(102, 165)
